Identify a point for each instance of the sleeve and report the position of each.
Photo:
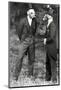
(20, 28)
(52, 32)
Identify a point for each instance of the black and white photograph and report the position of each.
(33, 30)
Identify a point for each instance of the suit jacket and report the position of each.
(51, 40)
(24, 30)
(51, 33)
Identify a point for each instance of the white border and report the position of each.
(4, 43)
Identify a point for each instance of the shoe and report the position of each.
(54, 81)
(16, 78)
(48, 79)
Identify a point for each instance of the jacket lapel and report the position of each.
(26, 23)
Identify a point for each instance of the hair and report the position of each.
(30, 10)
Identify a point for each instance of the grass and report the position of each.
(39, 65)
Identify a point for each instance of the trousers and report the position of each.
(28, 45)
(51, 67)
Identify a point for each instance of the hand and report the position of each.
(45, 41)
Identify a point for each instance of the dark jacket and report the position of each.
(51, 40)
(51, 33)
(24, 30)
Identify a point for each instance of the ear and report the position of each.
(27, 13)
